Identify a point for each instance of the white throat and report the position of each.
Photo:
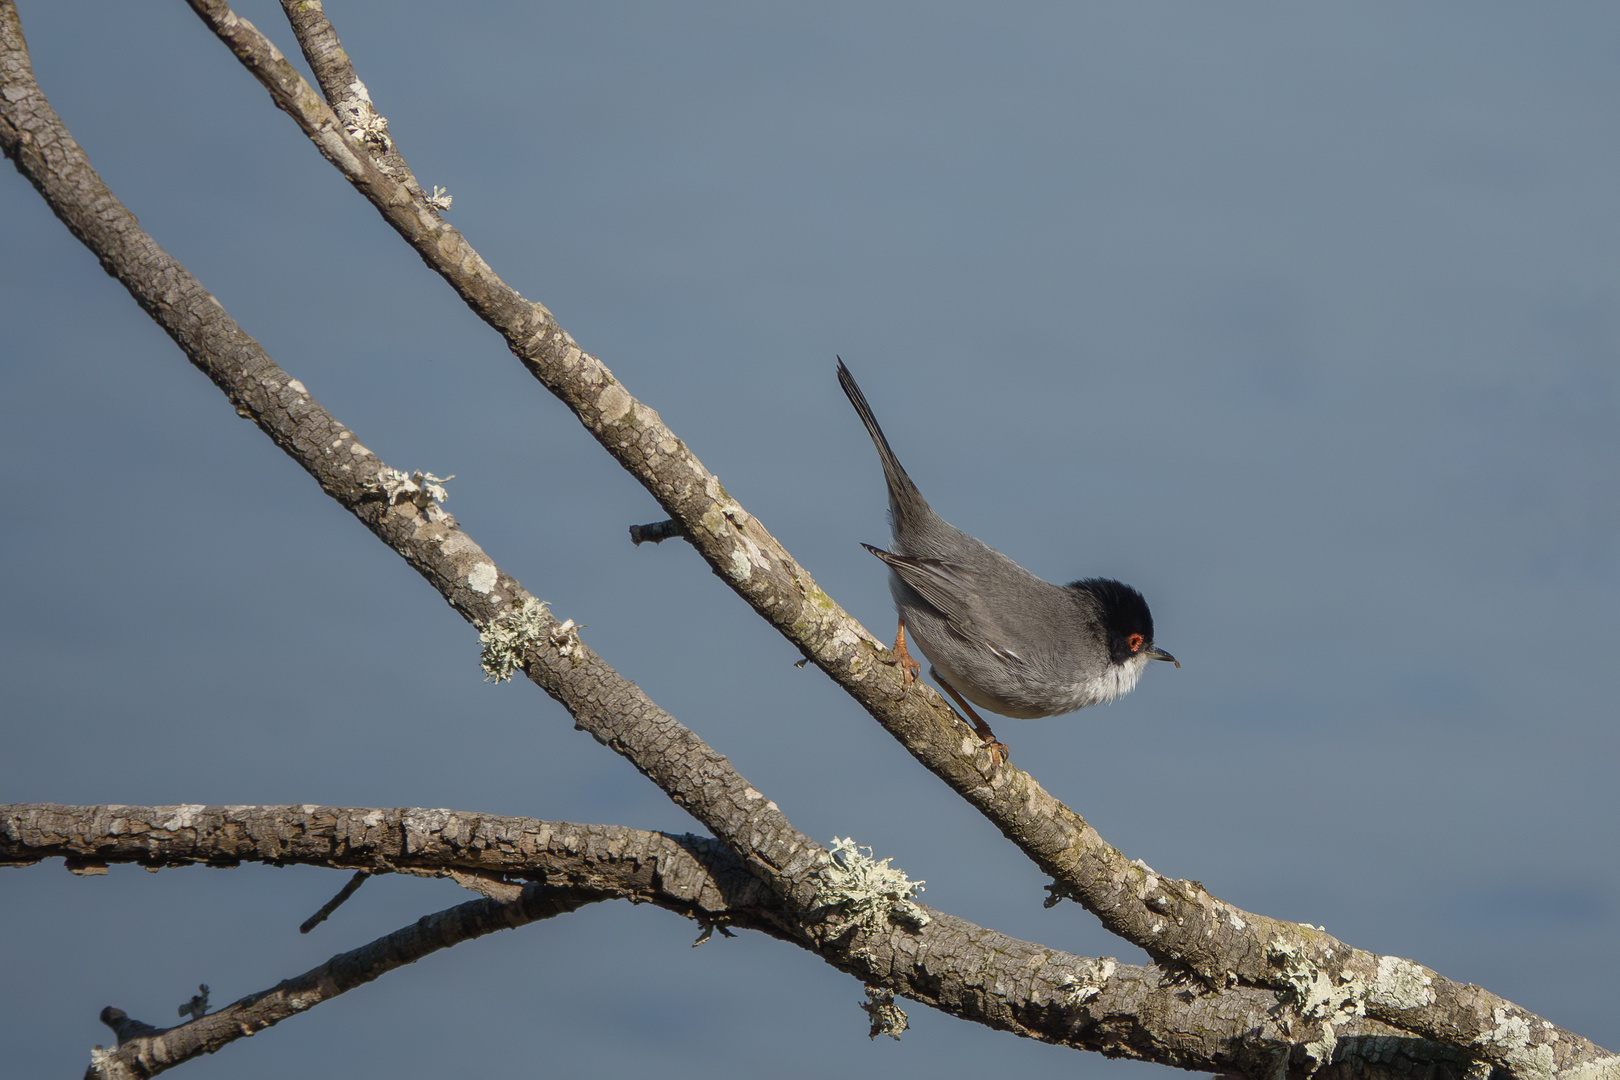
(1116, 679)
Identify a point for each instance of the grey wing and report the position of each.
(949, 589)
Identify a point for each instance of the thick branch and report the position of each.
(1173, 919)
(692, 875)
(950, 964)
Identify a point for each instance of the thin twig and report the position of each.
(144, 1053)
(656, 533)
(348, 890)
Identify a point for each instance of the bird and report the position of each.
(995, 634)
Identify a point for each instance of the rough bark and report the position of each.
(1089, 1003)
(144, 1050)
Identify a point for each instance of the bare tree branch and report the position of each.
(692, 875)
(350, 887)
(146, 1051)
(1172, 919)
(1176, 920)
(953, 965)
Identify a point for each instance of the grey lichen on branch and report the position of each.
(953, 965)
(510, 635)
(868, 891)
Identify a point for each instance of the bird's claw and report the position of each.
(998, 752)
(909, 668)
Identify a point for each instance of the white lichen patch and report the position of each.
(371, 126)
(1604, 1069)
(482, 578)
(1403, 984)
(346, 438)
(845, 638)
(869, 891)
(1079, 989)
(507, 638)
(440, 199)
(565, 637)
(613, 403)
(421, 489)
(1512, 1035)
(184, 817)
(1316, 994)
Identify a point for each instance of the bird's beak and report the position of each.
(1159, 654)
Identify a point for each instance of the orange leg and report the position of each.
(908, 667)
(997, 748)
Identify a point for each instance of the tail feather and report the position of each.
(902, 492)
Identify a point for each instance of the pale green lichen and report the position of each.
(507, 638)
(1603, 1069)
(1316, 994)
(1404, 984)
(869, 891)
(887, 1017)
(422, 489)
(1514, 1037)
(1327, 999)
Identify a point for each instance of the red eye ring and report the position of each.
(1134, 641)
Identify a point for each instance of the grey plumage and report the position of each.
(995, 633)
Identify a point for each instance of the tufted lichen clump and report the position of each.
(506, 638)
(868, 890)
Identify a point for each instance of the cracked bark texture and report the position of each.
(1174, 920)
(951, 964)
(144, 1050)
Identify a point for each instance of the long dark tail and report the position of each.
(903, 494)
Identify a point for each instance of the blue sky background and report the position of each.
(1301, 318)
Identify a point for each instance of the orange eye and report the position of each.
(1135, 642)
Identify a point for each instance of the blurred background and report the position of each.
(1300, 318)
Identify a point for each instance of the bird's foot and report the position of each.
(909, 668)
(998, 751)
(997, 748)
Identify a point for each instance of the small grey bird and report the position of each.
(996, 634)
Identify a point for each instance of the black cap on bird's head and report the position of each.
(1126, 620)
